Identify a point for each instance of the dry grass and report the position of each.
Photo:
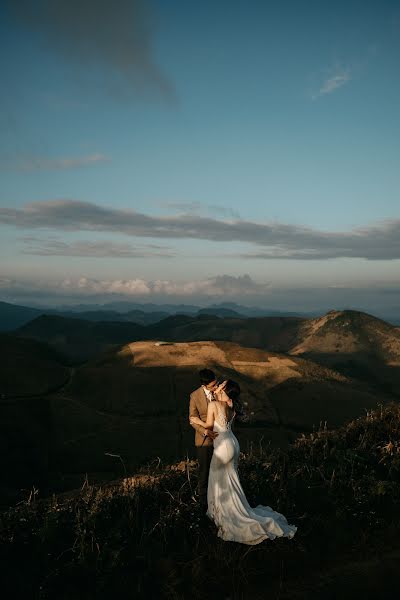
(145, 536)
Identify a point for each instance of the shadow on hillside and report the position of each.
(303, 405)
(25, 445)
(106, 424)
(370, 369)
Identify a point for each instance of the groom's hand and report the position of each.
(211, 434)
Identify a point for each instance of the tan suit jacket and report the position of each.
(198, 406)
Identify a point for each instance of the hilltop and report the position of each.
(355, 343)
(349, 332)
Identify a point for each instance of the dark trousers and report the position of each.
(204, 455)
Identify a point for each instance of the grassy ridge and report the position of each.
(146, 537)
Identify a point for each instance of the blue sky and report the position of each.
(168, 150)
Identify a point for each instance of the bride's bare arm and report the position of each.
(196, 421)
(222, 395)
(210, 418)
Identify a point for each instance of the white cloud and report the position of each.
(335, 82)
(214, 286)
(221, 286)
(337, 78)
(89, 287)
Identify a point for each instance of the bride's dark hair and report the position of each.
(232, 390)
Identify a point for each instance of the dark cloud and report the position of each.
(115, 37)
(195, 208)
(279, 240)
(97, 249)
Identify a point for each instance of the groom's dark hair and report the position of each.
(206, 376)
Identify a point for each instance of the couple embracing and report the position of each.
(212, 410)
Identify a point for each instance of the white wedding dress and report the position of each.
(227, 503)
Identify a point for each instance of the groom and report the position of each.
(199, 400)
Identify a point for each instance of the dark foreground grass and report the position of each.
(146, 537)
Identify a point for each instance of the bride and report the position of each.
(227, 503)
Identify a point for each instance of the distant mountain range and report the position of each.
(184, 309)
(13, 316)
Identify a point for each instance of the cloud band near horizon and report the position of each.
(380, 241)
(219, 286)
(375, 296)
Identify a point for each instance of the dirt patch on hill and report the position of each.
(150, 354)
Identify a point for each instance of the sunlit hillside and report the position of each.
(350, 332)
